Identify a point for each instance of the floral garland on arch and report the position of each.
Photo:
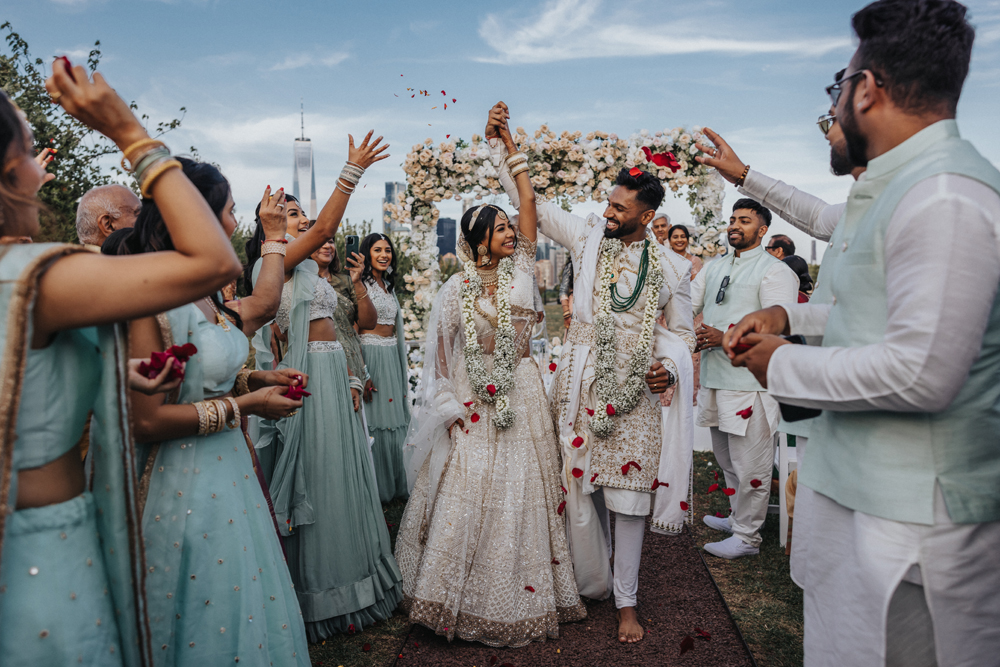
(491, 387)
(624, 397)
(565, 168)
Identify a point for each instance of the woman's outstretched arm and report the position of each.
(527, 212)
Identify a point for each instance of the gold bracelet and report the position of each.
(129, 153)
(223, 412)
(213, 417)
(153, 173)
(362, 295)
(235, 422)
(242, 385)
(519, 169)
(202, 418)
(273, 248)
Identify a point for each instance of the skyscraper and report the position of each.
(392, 192)
(446, 236)
(303, 169)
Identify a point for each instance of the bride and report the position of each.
(482, 545)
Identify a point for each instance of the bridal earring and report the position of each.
(483, 258)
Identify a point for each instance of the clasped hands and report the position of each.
(751, 342)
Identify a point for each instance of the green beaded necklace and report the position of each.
(619, 304)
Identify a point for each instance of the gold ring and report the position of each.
(54, 97)
(291, 414)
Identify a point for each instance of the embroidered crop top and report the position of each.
(384, 302)
(322, 306)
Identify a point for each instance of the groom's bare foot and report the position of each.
(629, 630)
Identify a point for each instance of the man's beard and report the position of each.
(624, 229)
(856, 142)
(741, 244)
(840, 164)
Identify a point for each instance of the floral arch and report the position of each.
(571, 167)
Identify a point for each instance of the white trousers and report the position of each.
(744, 458)
(629, 531)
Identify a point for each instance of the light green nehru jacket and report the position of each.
(886, 463)
(746, 273)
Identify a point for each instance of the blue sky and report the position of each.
(754, 72)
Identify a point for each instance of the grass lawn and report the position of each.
(766, 604)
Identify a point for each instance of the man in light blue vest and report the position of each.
(898, 509)
(742, 417)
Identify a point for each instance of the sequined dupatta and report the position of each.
(112, 457)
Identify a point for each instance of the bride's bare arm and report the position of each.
(527, 211)
(86, 289)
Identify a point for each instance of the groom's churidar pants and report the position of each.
(629, 530)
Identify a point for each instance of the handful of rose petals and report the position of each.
(296, 393)
(157, 360)
(668, 159)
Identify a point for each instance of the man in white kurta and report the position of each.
(741, 415)
(642, 457)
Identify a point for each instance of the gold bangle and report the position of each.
(202, 417)
(520, 169)
(153, 173)
(213, 417)
(235, 422)
(129, 153)
(362, 295)
(242, 385)
(273, 248)
(223, 409)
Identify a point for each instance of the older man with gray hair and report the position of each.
(104, 209)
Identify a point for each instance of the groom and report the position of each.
(616, 451)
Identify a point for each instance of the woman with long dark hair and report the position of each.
(322, 482)
(482, 543)
(217, 579)
(72, 566)
(384, 350)
(678, 239)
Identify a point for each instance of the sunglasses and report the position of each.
(835, 89)
(826, 122)
(722, 291)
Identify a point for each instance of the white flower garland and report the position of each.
(491, 387)
(622, 398)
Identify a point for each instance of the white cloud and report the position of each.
(574, 29)
(308, 60)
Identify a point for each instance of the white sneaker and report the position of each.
(731, 548)
(718, 523)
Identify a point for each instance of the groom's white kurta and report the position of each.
(663, 449)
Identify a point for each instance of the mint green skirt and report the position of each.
(387, 416)
(54, 603)
(342, 563)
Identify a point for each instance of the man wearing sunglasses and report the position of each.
(741, 415)
(898, 508)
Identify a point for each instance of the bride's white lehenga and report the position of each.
(482, 545)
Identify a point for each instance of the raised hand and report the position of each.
(44, 159)
(93, 103)
(368, 153)
(769, 321)
(496, 125)
(272, 214)
(722, 157)
(355, 266)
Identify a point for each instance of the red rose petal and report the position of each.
(529, 589)
(593, 477)
(634, 171)
(713, 487)
(577, 473)
(491, 388)
(555, 562)
(625, 469)
(687, 644)
(552, 367)
(475, 417)
(755, 483)
(702, 633)
(656, 484)
(469, 404)
(296, 393)
(649, 153)
(716, 474)
(563, 488)
(366, 648)
(493, 660)
(390, 400)
(416, 645)
(453, 99)
(350, 629)
(729, 492)
(577, 441)
(447, 136)
(684, 506)
(610, 410)
(590, 412)
(745, 413)
(561, 508)
(720, 515)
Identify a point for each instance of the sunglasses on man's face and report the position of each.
(834, 90)
(826, 122)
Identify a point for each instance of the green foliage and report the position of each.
(83, 157)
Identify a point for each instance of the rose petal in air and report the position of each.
(713, 487)
(755, 483)
(745, 413)
(684, 506)
(561, 508)
(469, 404)
(475, 417)
(577, 473)
(729, 492)
(552, 367)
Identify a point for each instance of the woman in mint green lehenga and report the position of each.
(72, 571)
(385, 356)
(322, 481)
(219, 589)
